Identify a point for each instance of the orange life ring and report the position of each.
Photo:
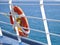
(23, 23)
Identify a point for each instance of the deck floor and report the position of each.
(9, 41)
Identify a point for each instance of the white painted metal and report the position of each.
(0, 32)
(17, 34)
(10, 2)
(45, 22)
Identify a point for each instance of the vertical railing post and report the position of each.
(1, 35)
(15, 25)
(0, 32)
(45, 22)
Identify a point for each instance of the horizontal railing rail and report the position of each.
(32, 4)
(36, 30)
(55, 20)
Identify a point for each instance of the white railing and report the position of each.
(36, 30)
(0, 32)
(16, 27)
(6, 14)
(38, 18)
(31, 4)
(44, 20)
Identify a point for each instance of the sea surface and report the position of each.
(33, 9)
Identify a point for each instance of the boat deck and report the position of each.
(10, 39)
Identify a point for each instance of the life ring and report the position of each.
(21, 20)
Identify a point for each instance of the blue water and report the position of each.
(52, 12)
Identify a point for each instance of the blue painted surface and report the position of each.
(4, 44)
(9, 41)
(52, 12)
